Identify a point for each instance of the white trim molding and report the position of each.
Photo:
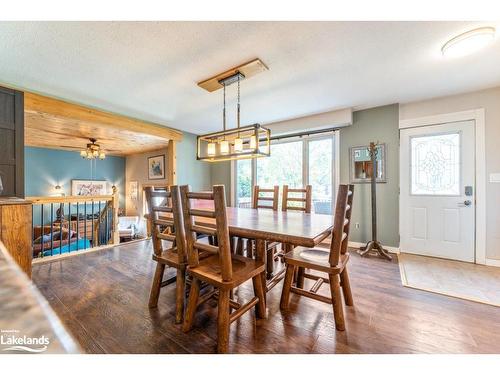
(476, 115)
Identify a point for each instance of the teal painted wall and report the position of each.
(45, 168)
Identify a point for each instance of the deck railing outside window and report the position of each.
(73, 223)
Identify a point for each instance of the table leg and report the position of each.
(260, 255)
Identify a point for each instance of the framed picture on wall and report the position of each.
(88, 187)
(134, 190)
(156, 167)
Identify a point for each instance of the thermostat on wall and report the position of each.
(495, 177)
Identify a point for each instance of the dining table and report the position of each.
(262, 225)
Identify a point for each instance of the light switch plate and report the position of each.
(495, 177)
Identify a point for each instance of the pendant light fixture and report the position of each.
(245, 142)
(93, 151)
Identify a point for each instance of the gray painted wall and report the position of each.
(189, 170)
(374, 124)
(221, 175)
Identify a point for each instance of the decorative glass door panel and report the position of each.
(435, 165)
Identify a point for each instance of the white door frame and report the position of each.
(476, 115)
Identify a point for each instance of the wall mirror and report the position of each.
(361, 166)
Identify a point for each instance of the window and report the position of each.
(244, 183)
(295, 163)
(320, 174)
(283, 167)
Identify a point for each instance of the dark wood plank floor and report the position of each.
(102, 299)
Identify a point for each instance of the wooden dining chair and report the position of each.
(173, 256)
(332, 262)
(223, 270)
(257, 203)
(305, 200)
(305, 204)
(257, 198)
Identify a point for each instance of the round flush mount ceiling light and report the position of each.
(468, 42)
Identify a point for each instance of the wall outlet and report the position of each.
(356, 225)
(495, 177)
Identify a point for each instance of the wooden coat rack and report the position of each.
(374, 246)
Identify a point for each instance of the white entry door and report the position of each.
(437, 191)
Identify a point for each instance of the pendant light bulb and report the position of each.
(211, 149)
(224, 147)
(253, 142)
(238, 145)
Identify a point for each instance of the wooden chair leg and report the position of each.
(269, 263)
(232, 244)
(338, 310)
(180, 287)
(192, 304)
(239, 246)
(250, 244)
(258, 289)
(223, 322)
(155, 288)
(300, 277)
(287, 284)
(346, 287)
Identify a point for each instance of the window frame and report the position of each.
(335, 165)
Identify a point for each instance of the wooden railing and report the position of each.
(72, 223)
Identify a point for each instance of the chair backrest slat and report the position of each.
(202, 213)
(256, 197)
(347, 221)
(221, 228)
(341, 223)
(170, 206)
(306, 199)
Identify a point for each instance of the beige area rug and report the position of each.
(468, 281)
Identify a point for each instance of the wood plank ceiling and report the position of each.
(53, 123)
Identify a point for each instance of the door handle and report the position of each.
(466, 203)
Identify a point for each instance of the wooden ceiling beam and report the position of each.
(54, 123)
(248, 69)
(43, 105)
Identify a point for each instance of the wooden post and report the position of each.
(115, 204)
(171, 163)
(15, 230)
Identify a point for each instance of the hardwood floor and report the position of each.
(102, 298)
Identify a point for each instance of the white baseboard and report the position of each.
(391, 249)
(493, 262)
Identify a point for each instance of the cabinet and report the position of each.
(11, 143)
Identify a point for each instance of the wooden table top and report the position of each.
(296, 228)
(25, 312)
